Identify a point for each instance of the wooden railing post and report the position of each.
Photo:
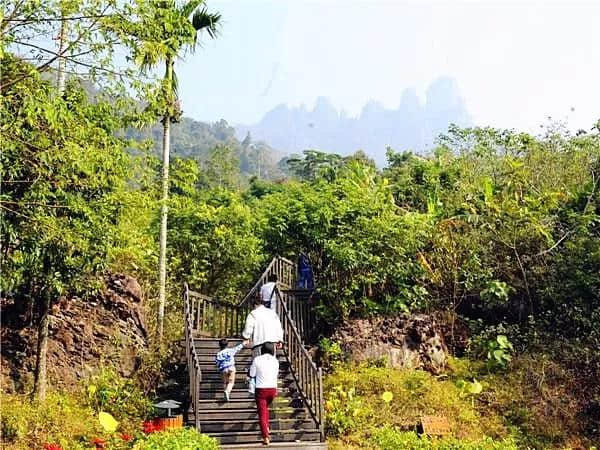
(193, 362)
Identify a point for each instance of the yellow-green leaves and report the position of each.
(108, 422)
(387, 396)
(475, 387)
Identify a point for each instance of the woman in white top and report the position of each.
(265, 370)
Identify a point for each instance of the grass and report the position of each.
(530, 405)
(61, 419)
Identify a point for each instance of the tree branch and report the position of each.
(60, 19)
(572, 230)
(44, 66)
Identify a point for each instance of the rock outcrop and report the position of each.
(108, 329)
(401, 341)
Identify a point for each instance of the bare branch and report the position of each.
(60, 19)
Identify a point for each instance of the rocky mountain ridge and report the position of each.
(413, 125)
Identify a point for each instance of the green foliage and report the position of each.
(499, 352)
(62, 168)
(414, 393)
(315, 164)
(63, 420)
(178, 439)
(391, 438)
(357, 239)
(89, 44)
(60, 419)
(331, 353)
(214, 246)
(345, 411)
(121, 397)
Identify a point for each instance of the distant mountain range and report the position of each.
(412, 126)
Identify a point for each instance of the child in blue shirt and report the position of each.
(225, 361)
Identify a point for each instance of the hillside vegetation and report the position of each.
(495, 231)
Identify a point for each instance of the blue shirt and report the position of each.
(225, 358)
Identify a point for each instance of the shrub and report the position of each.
(414, 393)
(179, 439)
(345, 411)
(331, 353)
(391, 438)
(121, 397)
(499, 352)
(60, 420)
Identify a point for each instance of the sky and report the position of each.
(516, 62)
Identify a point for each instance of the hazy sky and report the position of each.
(516, 62)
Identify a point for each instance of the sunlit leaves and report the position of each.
(108, 422)
(387, 396)
(60, 165)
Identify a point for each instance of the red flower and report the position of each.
(159, 425)
(99, 442)
(151, 426)
(126, 437)
(52, 447)
(148, 427)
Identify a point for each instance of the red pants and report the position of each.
(264, 397)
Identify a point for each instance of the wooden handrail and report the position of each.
(193, 362)
(308, 377)
(216, 318)
(280, 266)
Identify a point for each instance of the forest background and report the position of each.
(496, 229)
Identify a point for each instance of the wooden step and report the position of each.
(216, 384)
(219, 426)
(248, 414)
(214, 343)
(208, 394)
(278, 446)
(214, 376)
(239, 403)
(209, 365)
(245, 357)
(277, 436)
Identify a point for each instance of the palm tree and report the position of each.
(164, 31)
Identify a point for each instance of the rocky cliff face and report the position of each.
(84, 335)
(402, 342)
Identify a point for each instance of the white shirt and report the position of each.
(263, 325)
(266, 369)
(267, 294)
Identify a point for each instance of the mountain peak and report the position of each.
(412, 125)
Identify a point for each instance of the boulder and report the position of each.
(401, 342)
(107, 329)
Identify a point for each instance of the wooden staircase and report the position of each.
(297, 412)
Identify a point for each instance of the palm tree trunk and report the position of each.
(164, 209)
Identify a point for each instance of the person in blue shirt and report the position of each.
(225, 361)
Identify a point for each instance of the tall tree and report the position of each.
(60, 166)
(85, 43)
(159, 32)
